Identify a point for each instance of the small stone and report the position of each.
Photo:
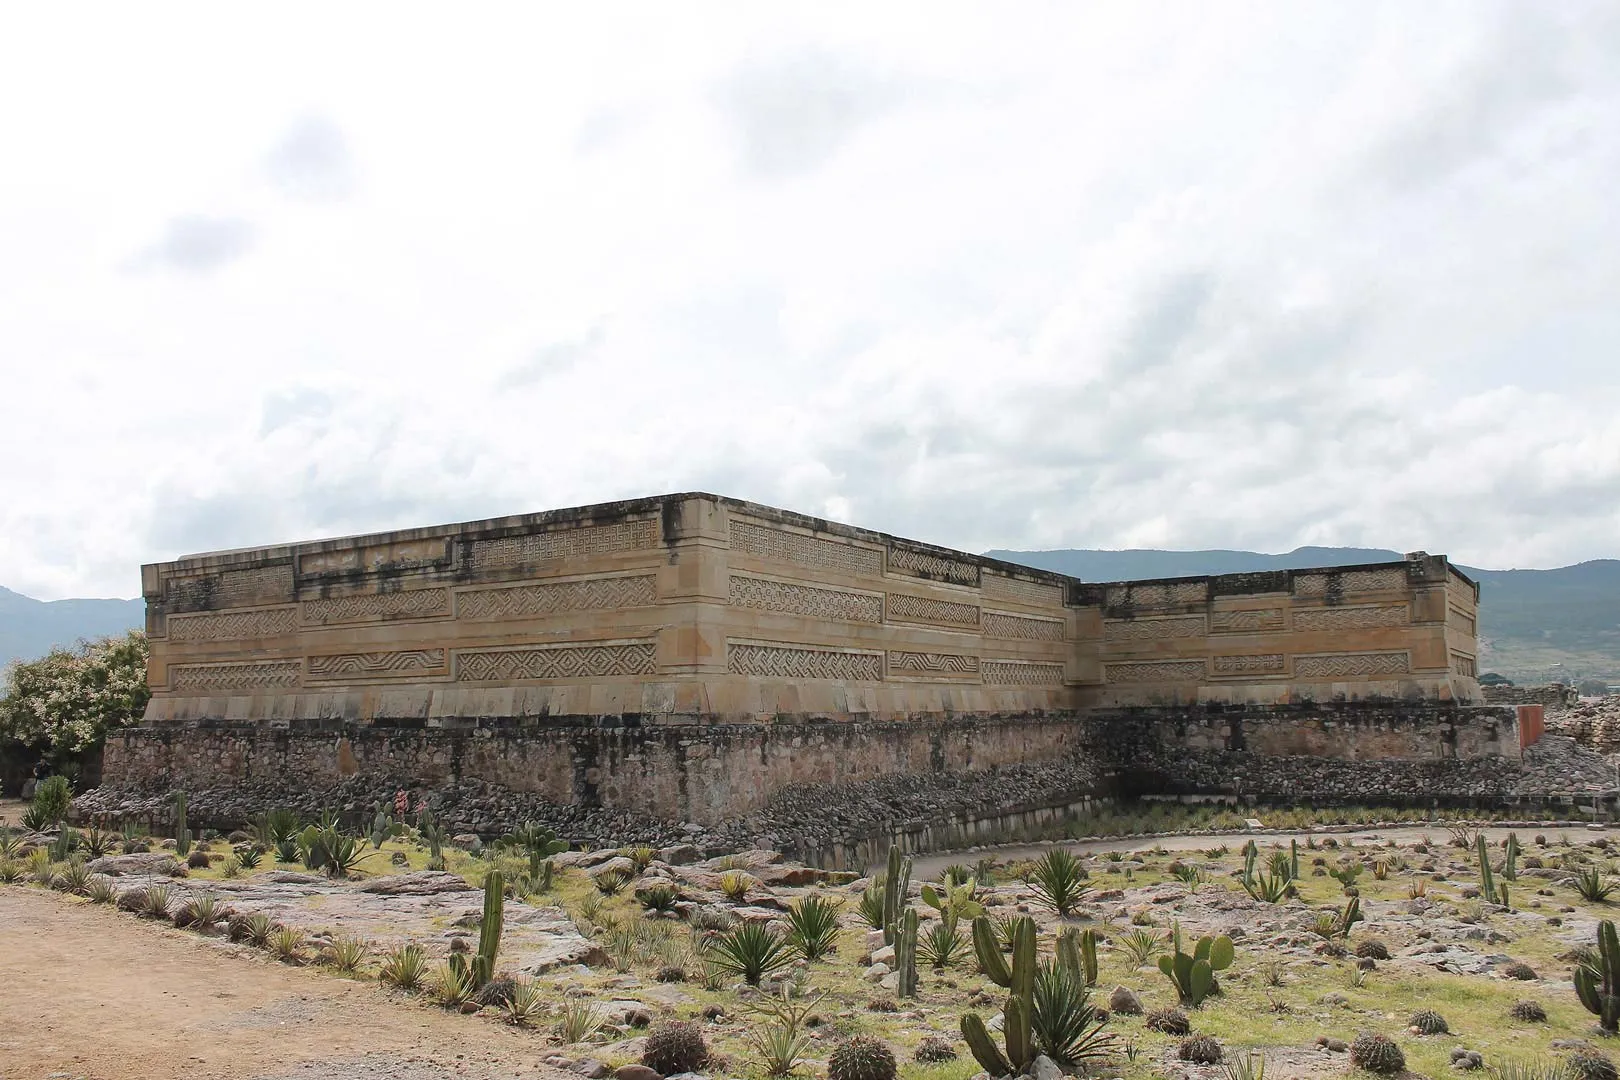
(875, 973)
(590, 1068)
(636, 1072)
(1045, 1069)
(1337, 1046)
(885, 955)
(1125, 1002)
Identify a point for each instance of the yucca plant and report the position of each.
(1066, 1026)
(941, 945)
(780, 1042)
(871, 908)
(405, 967)
(660, 898)
(578, 1021)
(1593, 886)
(1057, 879)
(1141, 945)
(231, 867)
(100, 889)
(199, 913)
(256, 931)
(1190, 876)
(74, 878)
(96, 840)
(611, 882)
(157, 901)
(752, 951)
(249, 857)
(813, 926)
(452, 986)
(346, 953)
(11, 871)
(287, 944)
(524, 1005)
(735, 885)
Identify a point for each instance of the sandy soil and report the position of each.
(86, 993)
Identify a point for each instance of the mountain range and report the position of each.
(1534, 624)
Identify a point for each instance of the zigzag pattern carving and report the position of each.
(418, 604)
(1019, 591)
(594, 594)
(1351, 581)
(377, 665)
(1263, 621)
(933, 663)
(1012, 673)
(835, 604)
(230, 589)
(1190, 626)
(563, 544)
(1348, 665)
(1166, 594)
(1002, 625)
(804, 550)
(921, 564)
(1157, 671)
(794, 662)
(557, 662)
(906, 608)
(1352, 618)
(233, 625)
(1267, 664)
(269, 675)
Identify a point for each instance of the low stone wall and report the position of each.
(702, 773)
(1552, 695)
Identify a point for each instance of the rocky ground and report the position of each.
(1594, 724)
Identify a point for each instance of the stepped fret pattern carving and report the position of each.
(798, 662)
(1352, 618)
(1460, 593)
(377, 665)
(1263, 621)
(403, 555)
(811, 551)
(838, 605)
(267, 675)
(1013, 673)
(1158, 594)
(927, 609)
(563, 544)
(1349, 665)
(417, 604)
(1266, 664)
(593, 594)
(557, 662)
(1157, 671)
(1019, 591)
(1000, 624)
(1191, 626)
(904, 560)
(927, 663)
(230, 589)
(1351, 581)
(233, 625)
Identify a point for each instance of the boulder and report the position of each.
(680, 855)
(589, 1068)
(636, 1072)
(416, 883)
(1124, 1002)
(618, 863)
(1045, 1069)
(875, 973)
(142, 862)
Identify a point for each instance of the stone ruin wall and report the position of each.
(689, 656)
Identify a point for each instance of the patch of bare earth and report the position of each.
(87, 993)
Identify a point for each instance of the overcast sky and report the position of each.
(1008, 275)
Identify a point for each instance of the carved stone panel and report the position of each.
(909, 561)
(803, 662)
(253, 587)
(1187, 626)
(903, 607)
(1016, 590)
(570, 661)
(945, 665)
(403, 664)
(1260, 621)
(552, 598)
(1265, 664)
(1001, 624)
(378, 607)
(1020, 673)
(375, 558)
(1351, 665)
(780, 545)
(1352, 618)
(1384, 579)
(563, 544)
(233, 625)
(789, 598)
(1156, 671)
(235, 678)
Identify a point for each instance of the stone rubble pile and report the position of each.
(1594, 724)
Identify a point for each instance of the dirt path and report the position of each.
(88, 993)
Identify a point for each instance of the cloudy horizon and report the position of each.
(1025, 276)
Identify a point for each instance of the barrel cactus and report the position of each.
(675, 1047)
(861, 1058)
(1169, 1021)
(1200, 1050)
(1587, 1064)
(1531, 1012)
(1429, 1022)
(1376, 1053)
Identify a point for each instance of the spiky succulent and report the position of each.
(1169, 1021)
(675, 1047)
(1429, 1022)
(934, 1050)
(1372, 949)
(1521, 971)
(1584, 1063)
(1531, 1012)
(1200, 1050)
(861, 1057)
(1377, 1053)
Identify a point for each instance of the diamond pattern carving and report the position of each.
(1190, 626)
(233, 625)
(557, 662)
(1352, 618)
(834, 604)
(811, 551)
(266, 675)
(417, 604)
(1349, 665)
(1014, 673)
(798, 662)
(1000, 624)
(592, 594)
(563, 544)
(904, 560)
(1263, 621)
(927, 609)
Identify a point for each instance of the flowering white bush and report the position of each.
(66, 701)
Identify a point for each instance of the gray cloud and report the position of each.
(282, 408)
(195, 244)
(312, 161)
(554, 358)
(792, 113)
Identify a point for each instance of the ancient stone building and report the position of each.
(691, 654)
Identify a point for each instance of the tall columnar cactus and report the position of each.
(905, 955)
(1016, 1016)
(987, 950)
(896, 887)
(1194, 973)
(1510, 868)
(182, 835)
(1493, 893)
(489, 930)
(381, 826)
(1293, 860)
(1251, 855)
(1077, 951)
(1597, 981)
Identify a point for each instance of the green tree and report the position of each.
(66, 702)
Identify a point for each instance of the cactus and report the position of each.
(1251, 855)
(987, 949)
(1597, 980)
(1377, 1054)
(1293, 860)
(381, 827)
(1510, 868)
(905, 955)
(1016, 1016)
(953, 902)
(182, 835)
(433, 833)
(861, 1058)
(1077, 951)
(489, 928)
(896, 888)
(1194, 973)
(1487, 883)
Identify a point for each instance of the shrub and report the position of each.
(1372, 949)
(709, 917)
(813, 923)
(524, 1004)
(675, 1047)
(197, 860)
(1428, 1022)
(100, 889)
(1585, 1063)
(933, 1050)
(155, 904)
(1057, 880)
(1200, 1050)
(50, 805)
(752, 950)
(861, 1058)
(1377, 1053)
(1169, 1021)
(1531, 1012)
(1521, 971)
(405, 967)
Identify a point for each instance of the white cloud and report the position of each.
(1048, 276)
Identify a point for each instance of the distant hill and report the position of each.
(29, 628)
(1534, 624)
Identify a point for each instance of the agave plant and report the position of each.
(941, 945)
(611, 882)
(660, 898)
(256, 931)
(1057, 879)
(1141, 945)
(735, 884)
(405, 967)
(813, 926)
(871, 907)
(1065, 1024)
(287, 944)
(453, 985)
(524, 1005)
(346, 953)
(1593, 886)
(578, 1021)
(752, 951)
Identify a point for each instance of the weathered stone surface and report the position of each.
(416, 883)
(141, 862)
